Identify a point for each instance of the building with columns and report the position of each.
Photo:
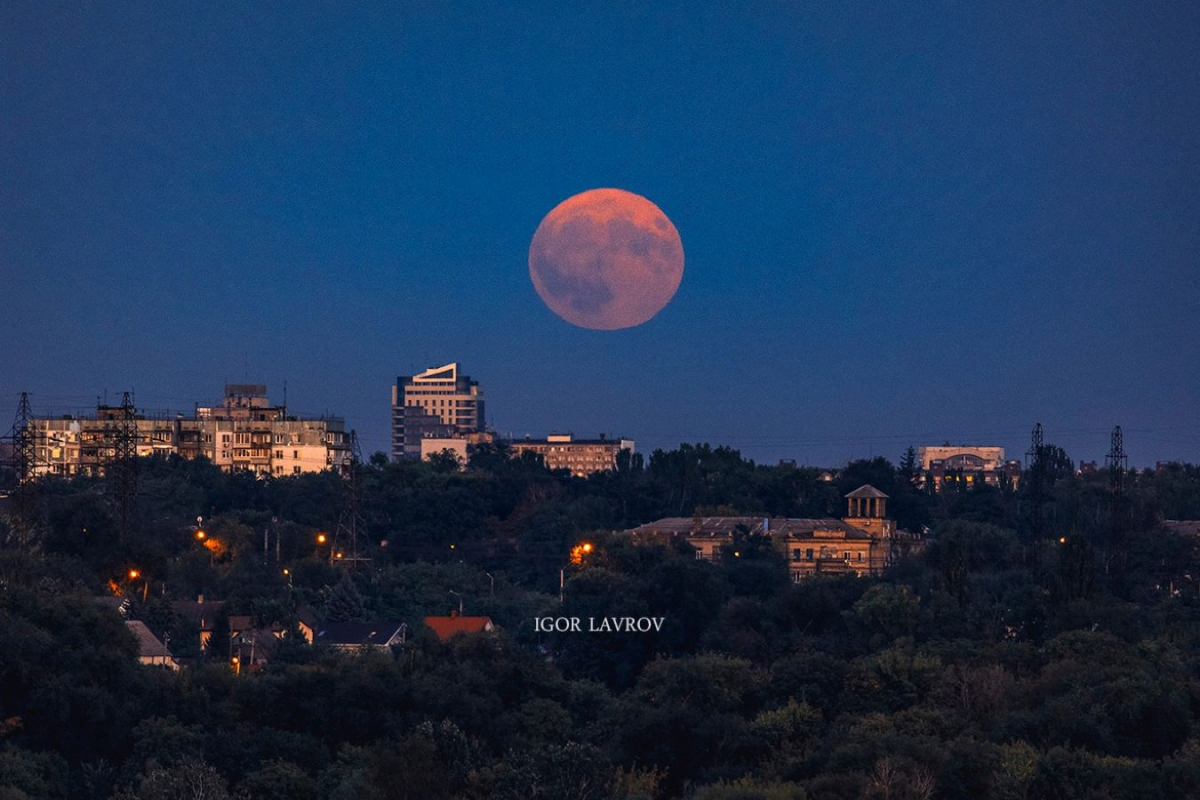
(864, 542)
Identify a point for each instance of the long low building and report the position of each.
(865, 542)
(582, 457)
(244, 432)
(964, 466)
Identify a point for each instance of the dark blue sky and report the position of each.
(902, 224)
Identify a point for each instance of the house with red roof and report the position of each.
(447, 628)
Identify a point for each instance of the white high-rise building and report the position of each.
(440, 402)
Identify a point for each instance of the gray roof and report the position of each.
(148, 644)
(726, 526)
(378, 633)
(866, 490)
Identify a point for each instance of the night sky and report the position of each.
(902, 224)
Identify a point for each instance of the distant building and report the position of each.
(200, 614)
(864, 543)
(965, 465)
(440, 403)
(447, 628)
(582, 457)
(459, 446)
(244, 432)
(151, 651)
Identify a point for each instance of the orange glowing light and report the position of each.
(134, 574)
(322, 538)
(200, 535)
(579, 551)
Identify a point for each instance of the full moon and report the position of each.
(606, 259)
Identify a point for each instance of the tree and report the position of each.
(345, 603)
(909, 467)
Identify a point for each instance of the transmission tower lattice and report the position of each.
(350, 538)
(1117, 463)
(122, 436)
(23, 463)
(1035, 461)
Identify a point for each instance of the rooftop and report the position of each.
(148, 644)
(448, 627)
(866, 490)
(377, 633)
(724, 526)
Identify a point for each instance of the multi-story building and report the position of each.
(459, 446)
(965, 465)
(581, 456)
(863, 543)
(245, 432)
(440, 402)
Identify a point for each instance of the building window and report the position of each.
(808, 554)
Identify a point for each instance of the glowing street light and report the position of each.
(134, 574)
(322, 538)
(201, 536)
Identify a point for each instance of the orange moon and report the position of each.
(606, 259)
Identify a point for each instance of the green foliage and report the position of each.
(982, 665)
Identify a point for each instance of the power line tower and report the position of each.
(1118, 463)
(1035, 462)
(23, 499)
(350, 538)
(122, 435)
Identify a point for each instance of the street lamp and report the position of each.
(134, 575)
(577, 555)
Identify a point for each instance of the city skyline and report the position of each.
(903, 226)
(874, 444)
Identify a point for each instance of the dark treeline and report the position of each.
(1044, 645)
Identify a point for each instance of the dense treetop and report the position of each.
(1015, 657)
